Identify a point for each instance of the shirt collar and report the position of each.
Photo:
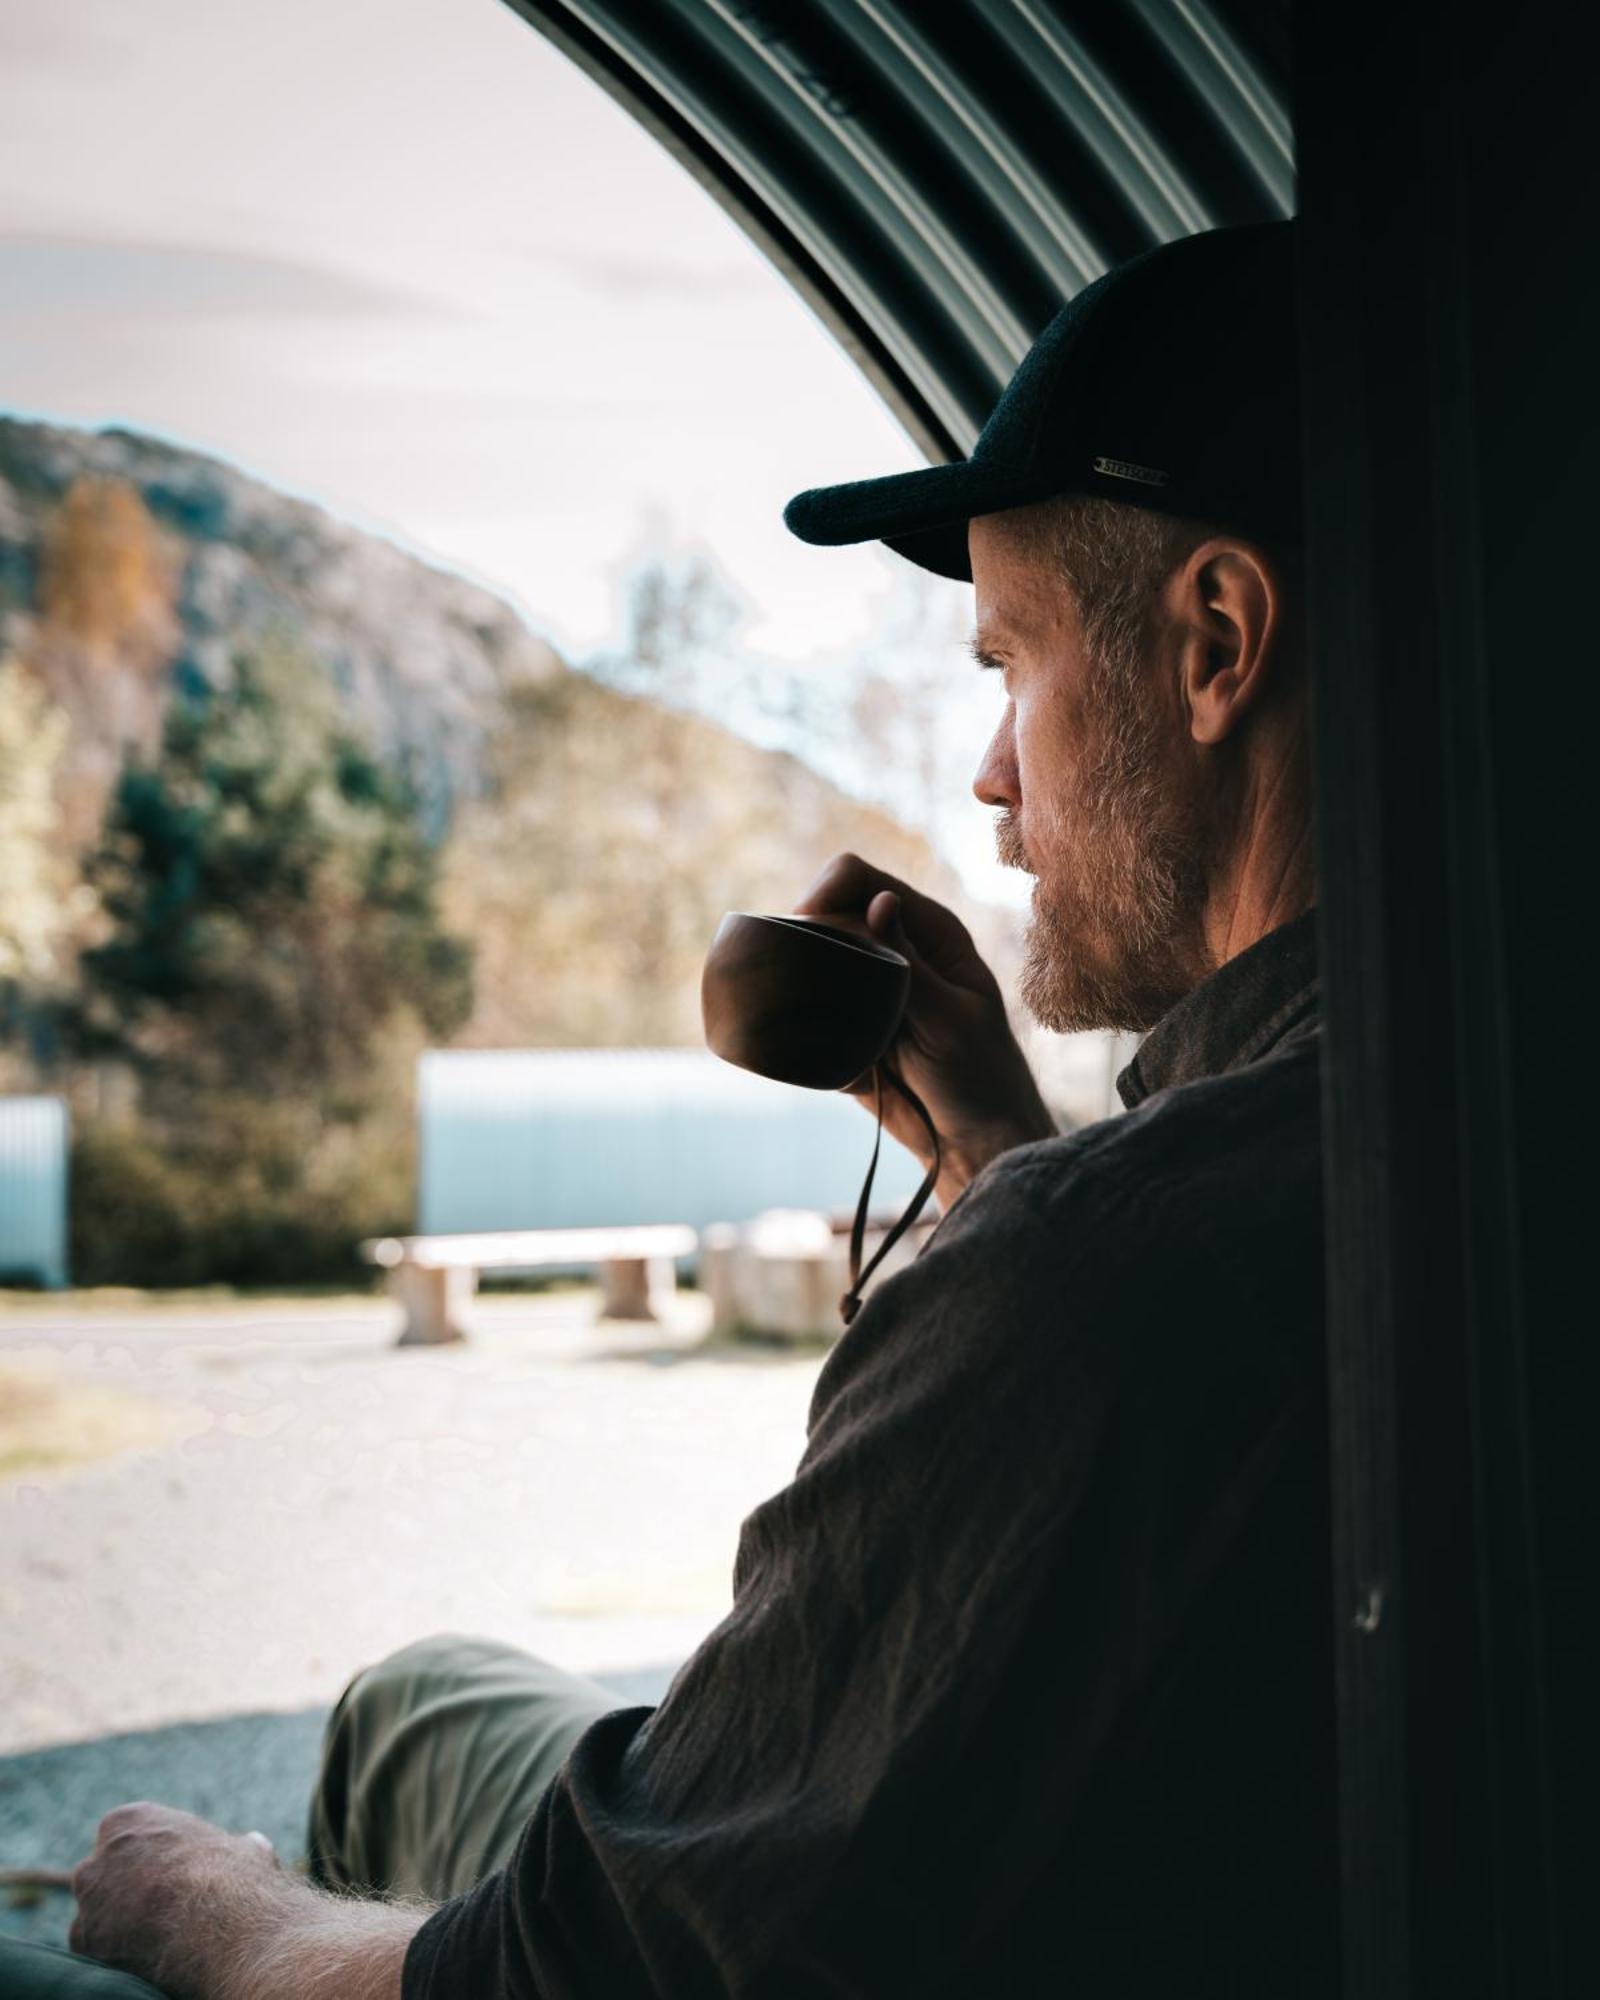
(1266, 996)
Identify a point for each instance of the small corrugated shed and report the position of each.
(582, 1138)
(33, 1190)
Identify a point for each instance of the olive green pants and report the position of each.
(432, 1762)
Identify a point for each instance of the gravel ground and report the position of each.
(298, 1497)
(323, 1497)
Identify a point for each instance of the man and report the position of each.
(1027, 1686)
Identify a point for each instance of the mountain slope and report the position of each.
(591, 837)
(129, 566)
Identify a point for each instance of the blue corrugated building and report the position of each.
(582, 1138)
(33, 1190)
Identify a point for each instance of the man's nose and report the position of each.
(996, 782)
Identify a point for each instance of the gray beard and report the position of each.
(1116, 936)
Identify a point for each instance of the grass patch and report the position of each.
(50, 1422)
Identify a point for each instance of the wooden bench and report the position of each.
(435, 1277)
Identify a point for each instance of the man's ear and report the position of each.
(1230, 606)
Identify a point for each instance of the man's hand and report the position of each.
(955, 1047)
(159, 1889)
(208, 1915)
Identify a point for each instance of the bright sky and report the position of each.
(400, 256)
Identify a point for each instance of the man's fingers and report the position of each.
(937, 1007)
(884, 922)
(846, 885)
(849, 886)
(83, 1881)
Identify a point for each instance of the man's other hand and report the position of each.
(208, 1915)
(955, 1047)
(159, 1890)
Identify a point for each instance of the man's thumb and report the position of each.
(883, 920)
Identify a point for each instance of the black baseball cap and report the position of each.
(1169, 383)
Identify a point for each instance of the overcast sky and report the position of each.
(400, 256)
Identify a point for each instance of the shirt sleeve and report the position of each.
(855, 1780)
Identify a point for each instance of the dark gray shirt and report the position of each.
(1027, 1686)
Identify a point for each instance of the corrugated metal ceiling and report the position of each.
(935, 178)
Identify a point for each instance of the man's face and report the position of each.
(1099, 793)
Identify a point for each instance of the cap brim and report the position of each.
(922, 515)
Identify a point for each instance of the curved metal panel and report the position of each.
(936, 180)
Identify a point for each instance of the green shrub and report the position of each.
(253, 1196)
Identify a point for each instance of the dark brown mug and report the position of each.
(801, 999)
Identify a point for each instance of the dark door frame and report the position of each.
(1444, 485)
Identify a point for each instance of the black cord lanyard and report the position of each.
(850, 1304)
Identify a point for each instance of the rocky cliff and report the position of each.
(129, 566)
(590, 836)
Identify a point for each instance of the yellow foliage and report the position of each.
(33, 734)
(108, 573)
(51, 1422)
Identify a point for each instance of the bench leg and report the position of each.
(719, 1277)
(634, 1287)
(432, 1302)
(662, 1282)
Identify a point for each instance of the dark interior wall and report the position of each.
(1446, 283)
(1531, 325)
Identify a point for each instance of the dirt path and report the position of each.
(320, 1497)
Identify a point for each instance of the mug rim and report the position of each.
(884, 954)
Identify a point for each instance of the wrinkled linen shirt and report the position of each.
(1027, 1685)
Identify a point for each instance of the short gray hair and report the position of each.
(1115, 559)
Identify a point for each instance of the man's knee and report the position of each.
(428, 1752)
(381, 1699)
(375, 1705)
(443, 1659)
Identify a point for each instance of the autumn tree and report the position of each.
(102, 637)
(106, 579)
